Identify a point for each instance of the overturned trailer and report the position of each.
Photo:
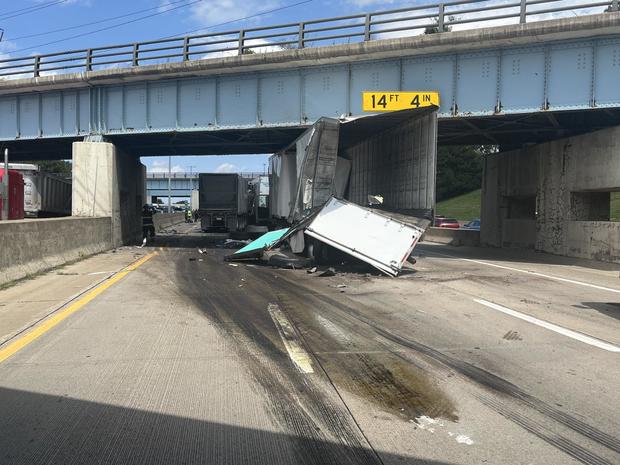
(391, 156)
(323, 183)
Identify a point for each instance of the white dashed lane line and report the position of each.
(550, 326)
(290, 338)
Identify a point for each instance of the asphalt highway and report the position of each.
(469, 357)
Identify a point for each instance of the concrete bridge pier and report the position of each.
(109, 183)
(555, 197)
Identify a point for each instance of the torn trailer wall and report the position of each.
(392, 155)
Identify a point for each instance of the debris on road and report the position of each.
(371, 237)
(256, 248)
(380, 239)
(235, 243)
(202, 251)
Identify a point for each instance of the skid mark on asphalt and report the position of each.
(550, 326)
(495, 384)
(290, 338)
(559, 441)
(358, 363)
(512, 336)
(320, 427)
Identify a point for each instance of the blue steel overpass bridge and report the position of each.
(508, 73)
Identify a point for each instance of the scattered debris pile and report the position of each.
(383, 240)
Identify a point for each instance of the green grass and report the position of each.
(467, 206)
(615, 206)
(464, 207)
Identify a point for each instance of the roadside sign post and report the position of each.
(5, 187)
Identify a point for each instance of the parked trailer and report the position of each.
(223, 202)
(45, 194)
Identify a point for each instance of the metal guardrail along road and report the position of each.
(439, 17)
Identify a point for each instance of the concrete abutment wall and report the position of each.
(109, 183)
(555, 197)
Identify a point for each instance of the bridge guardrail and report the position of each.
(431, 18)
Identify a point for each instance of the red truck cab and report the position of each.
(16, 194)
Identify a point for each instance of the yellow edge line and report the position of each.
(54, 320)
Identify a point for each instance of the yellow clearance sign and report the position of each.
(394, 101)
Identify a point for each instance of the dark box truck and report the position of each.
(223, 202)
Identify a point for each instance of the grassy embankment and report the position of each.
(467, 206)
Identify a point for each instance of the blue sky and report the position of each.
(172, 17)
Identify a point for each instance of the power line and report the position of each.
(107, 28)
(30, 9)
(105, 20)
(238, 19)
(113, 26)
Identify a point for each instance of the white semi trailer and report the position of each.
(45, 194)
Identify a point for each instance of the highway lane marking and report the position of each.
(545, 324)
(533, 273)
(290, 338)
(62, 315)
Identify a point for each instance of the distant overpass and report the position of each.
(505, 85)
(181, 183)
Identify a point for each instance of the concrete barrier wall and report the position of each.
(31, 246)
(599, 240)
(162, 221)
(466, 237)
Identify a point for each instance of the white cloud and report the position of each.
(162, 167)
(365, 3)
(218, 11)
(478, 18)
(226, 168)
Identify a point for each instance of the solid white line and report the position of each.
(290, 338)
(533, 273)
(545, 324)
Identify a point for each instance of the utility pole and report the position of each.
(5, 187)
(191, 178)
(169, 183)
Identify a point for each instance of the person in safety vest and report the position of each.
(188, 216)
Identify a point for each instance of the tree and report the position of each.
(435, 29)
(62, 167)
(459, 169)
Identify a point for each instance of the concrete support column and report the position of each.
(109, 183)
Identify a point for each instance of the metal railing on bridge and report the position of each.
(422, 19)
